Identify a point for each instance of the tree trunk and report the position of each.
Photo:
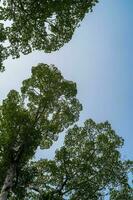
(8, 183)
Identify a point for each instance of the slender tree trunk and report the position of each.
(8, 183)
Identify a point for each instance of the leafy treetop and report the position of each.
(87, 167)
(39, 25)
(35, 116)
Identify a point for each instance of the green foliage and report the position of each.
(124, 193)
(35, 116)
(40, 25)
(87, 167)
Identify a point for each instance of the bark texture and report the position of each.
(8, 183)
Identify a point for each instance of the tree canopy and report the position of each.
(88, 165)
(34, 117)
(39, 25)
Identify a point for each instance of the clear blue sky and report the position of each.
(99, 59)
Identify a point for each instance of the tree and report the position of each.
(88, 165)
(40, 25)
(85, 168)
(34, 118)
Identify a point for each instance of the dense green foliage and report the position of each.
(87, 167)
(34, 117)
(39, 25)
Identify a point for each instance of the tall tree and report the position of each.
(87, 167)
(40, 25)
(34, 118)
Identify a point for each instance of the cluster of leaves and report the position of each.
(87, 167)
(39, 25)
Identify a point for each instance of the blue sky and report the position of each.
(99, 58)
